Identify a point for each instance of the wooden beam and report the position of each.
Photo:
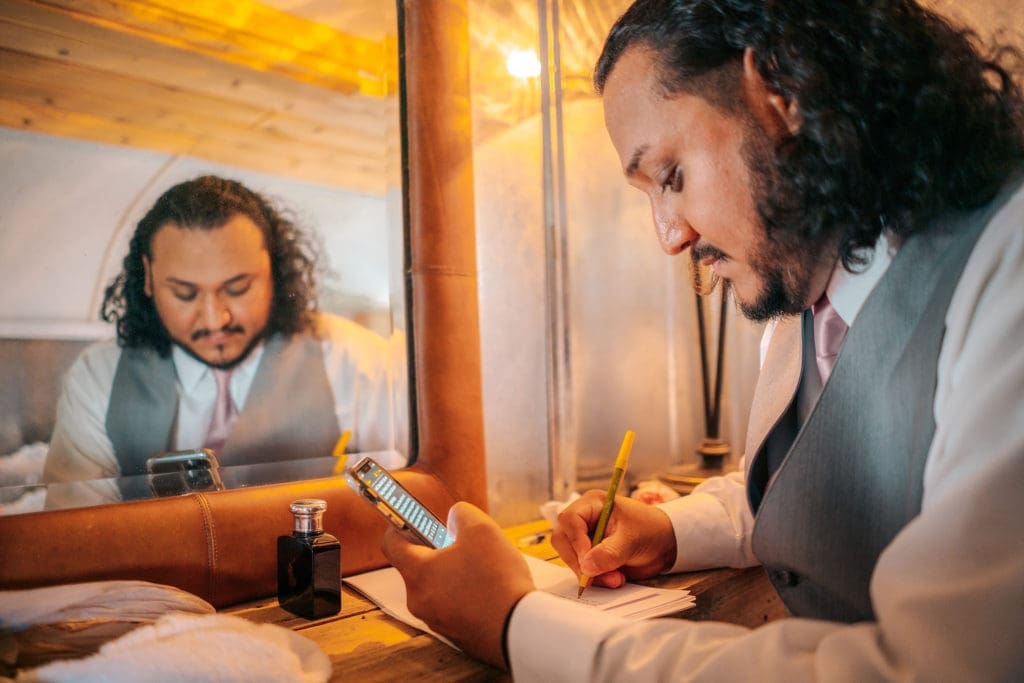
(322, 166)
(252, 35)
(33, 29)
(93, 80)
(117, 97)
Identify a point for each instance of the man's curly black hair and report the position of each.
(903, 116)
(207, 203)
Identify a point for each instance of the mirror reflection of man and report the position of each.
(219, 345)
(858, 159)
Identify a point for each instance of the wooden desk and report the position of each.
(365, 644)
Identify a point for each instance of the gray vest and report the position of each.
(288, 414)
(853, 475)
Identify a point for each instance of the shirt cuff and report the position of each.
(556, 639)
(707, 536)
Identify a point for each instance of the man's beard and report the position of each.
(234, 362)
(785, 270)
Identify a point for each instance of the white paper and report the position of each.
(386, 589)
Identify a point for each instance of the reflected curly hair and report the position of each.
(903, 116)
(207, 203)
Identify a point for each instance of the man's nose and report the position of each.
(216, 313)
(674, 233)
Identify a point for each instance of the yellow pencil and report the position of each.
(339, 451)
(609, 500)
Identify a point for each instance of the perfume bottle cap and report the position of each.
(309, 515)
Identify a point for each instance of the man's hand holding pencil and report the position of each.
(637, 540)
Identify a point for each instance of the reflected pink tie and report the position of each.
(224, 413)
(829, 332)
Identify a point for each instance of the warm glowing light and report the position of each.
(522, 64)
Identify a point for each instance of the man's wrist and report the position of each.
(504, 632)
(669, 550)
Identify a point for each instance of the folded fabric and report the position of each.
(550, 509)
(187, 647)
(139, 601)
(39, 625)
(652, 492)
(23, 466)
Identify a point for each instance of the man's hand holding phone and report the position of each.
(462, 579)
(466, 590)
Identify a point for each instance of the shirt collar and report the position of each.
(191, 371)
(848, 291)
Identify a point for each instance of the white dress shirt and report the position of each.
(360, 371)
(948, 591)
(198, 394)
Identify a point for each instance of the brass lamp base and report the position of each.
(683, 478)
(713, 452)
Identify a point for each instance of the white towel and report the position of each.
(550, 509)
(188, 647)
(127, 601)
(39, 625)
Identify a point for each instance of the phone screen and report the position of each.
(383, 488)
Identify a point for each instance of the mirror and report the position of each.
(107, 105)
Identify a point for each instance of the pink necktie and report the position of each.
(224, 413)
(829, 332)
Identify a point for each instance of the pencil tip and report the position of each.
(579, 593)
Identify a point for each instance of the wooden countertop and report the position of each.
(365, 644)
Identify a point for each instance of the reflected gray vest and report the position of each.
(853, 475)
(288, 414)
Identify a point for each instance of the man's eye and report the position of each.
(239, 290)
(184, 296)
(674, 181)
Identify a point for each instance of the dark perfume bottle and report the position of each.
(309, 564)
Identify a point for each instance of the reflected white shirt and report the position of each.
(360, 370)
(948, 591)
(199, 393)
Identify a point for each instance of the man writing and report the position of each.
(219, 345)
(853, 170)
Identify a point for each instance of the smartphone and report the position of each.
(177, 472)
(397, 504)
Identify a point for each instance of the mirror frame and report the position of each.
(222, 546)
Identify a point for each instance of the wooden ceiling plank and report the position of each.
(32, 28)
(355, 139)
(172, 122)
(71, 87)
(66, 77)
(58, 80)
(250, 34)
(353, 172)
(40, 118)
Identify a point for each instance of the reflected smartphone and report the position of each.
(177, 472)
(397, 504)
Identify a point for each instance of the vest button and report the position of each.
(787, 578)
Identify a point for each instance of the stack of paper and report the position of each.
(631, 601)
(386, 589)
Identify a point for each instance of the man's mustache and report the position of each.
(702, 250)
(699, 252)
(227, 329)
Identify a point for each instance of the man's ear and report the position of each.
(770, 108)
(147, 283)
